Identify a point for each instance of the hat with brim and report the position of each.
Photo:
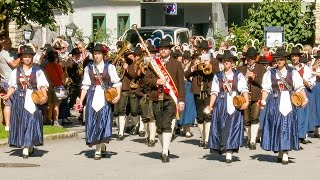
(26, 50)
(100, 47)
(176, 54)
(263, 60)
(251, 52)
(195, 54)
(296, 51)
(317, 55)
(204, 45)
(281, 52)
(165, 43)
(226, 55)
(75, 51)
(305, 58)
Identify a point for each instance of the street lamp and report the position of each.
(28, 34)
(71, 29)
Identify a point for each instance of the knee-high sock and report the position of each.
(173, 125)
(146, 127)
(161, 139)
(25, 151)
(248, 131)
(285, 156)
(152, 130)
(141, 125)
(317, 130)
(122, 123)
(254, 132)
(207, 131)
(166, 142)
(229, 155)
(200, 126)
(98, 148)
(116, 120)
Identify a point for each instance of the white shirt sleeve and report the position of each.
(215, 88)
(13, 79)
(266, 82)
(307, 75)
(242, 84)
(7, 56)
(115, 80)
(86, 82)
(41, 80)
(297, 81)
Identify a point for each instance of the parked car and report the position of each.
(153, 34)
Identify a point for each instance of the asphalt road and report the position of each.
(130, 159)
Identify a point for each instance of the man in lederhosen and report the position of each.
(253, 73)
(128, 95)
(167, 93)
(200, 87)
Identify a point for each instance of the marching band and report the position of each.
(270, 95)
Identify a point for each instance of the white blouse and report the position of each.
(115, 80)
(307, 74)
(241, 87)
(41, 78)
(296, 78)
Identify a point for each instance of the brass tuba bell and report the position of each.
(205, 68)
(118, 60)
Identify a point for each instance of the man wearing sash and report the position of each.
(167, 93)
(253, 73)
(200, 87)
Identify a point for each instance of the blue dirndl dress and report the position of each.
(26, 129)
(189, 114)
(98, 124)
(279, 132)
(226, 131)
(316, 91)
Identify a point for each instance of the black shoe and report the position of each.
(252, 146)
(147, 141)
(165, 158)
(65, 121)
(284, 162)
(120, 137)
(201, 144)
(152, 143)
(228, 161)
(206, 145)
(24, 156)
(134, 131)
(142, 133)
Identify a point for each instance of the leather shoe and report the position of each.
(147, 141)
(142, 133)
(206, 145)
(284, 162)
(252, 146)
(165, 158)
(228, 161)
(65, 121)
(152, 143)
(201, 144)
(120, 137)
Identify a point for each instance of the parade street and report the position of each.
(131, 159)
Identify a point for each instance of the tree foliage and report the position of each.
(38, 11)
(298, 25)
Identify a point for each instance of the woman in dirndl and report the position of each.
(98, 111)
(26, 122)
(226, 131)
(280, 125)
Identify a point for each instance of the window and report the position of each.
(99, 25)
(123, 23)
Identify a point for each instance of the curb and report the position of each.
(49, 137)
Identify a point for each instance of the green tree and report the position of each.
(38, 11)
(298, 25)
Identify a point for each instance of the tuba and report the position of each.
(117, 58)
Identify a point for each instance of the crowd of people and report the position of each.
(156, 91)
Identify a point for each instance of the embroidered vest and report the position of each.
(275, 81)
(104, 75)
(22, 84)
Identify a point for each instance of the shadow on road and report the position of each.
(268, 158)
(157, 155)
(218, 157)
(191, 141)
(90, 154)
(36, 153)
